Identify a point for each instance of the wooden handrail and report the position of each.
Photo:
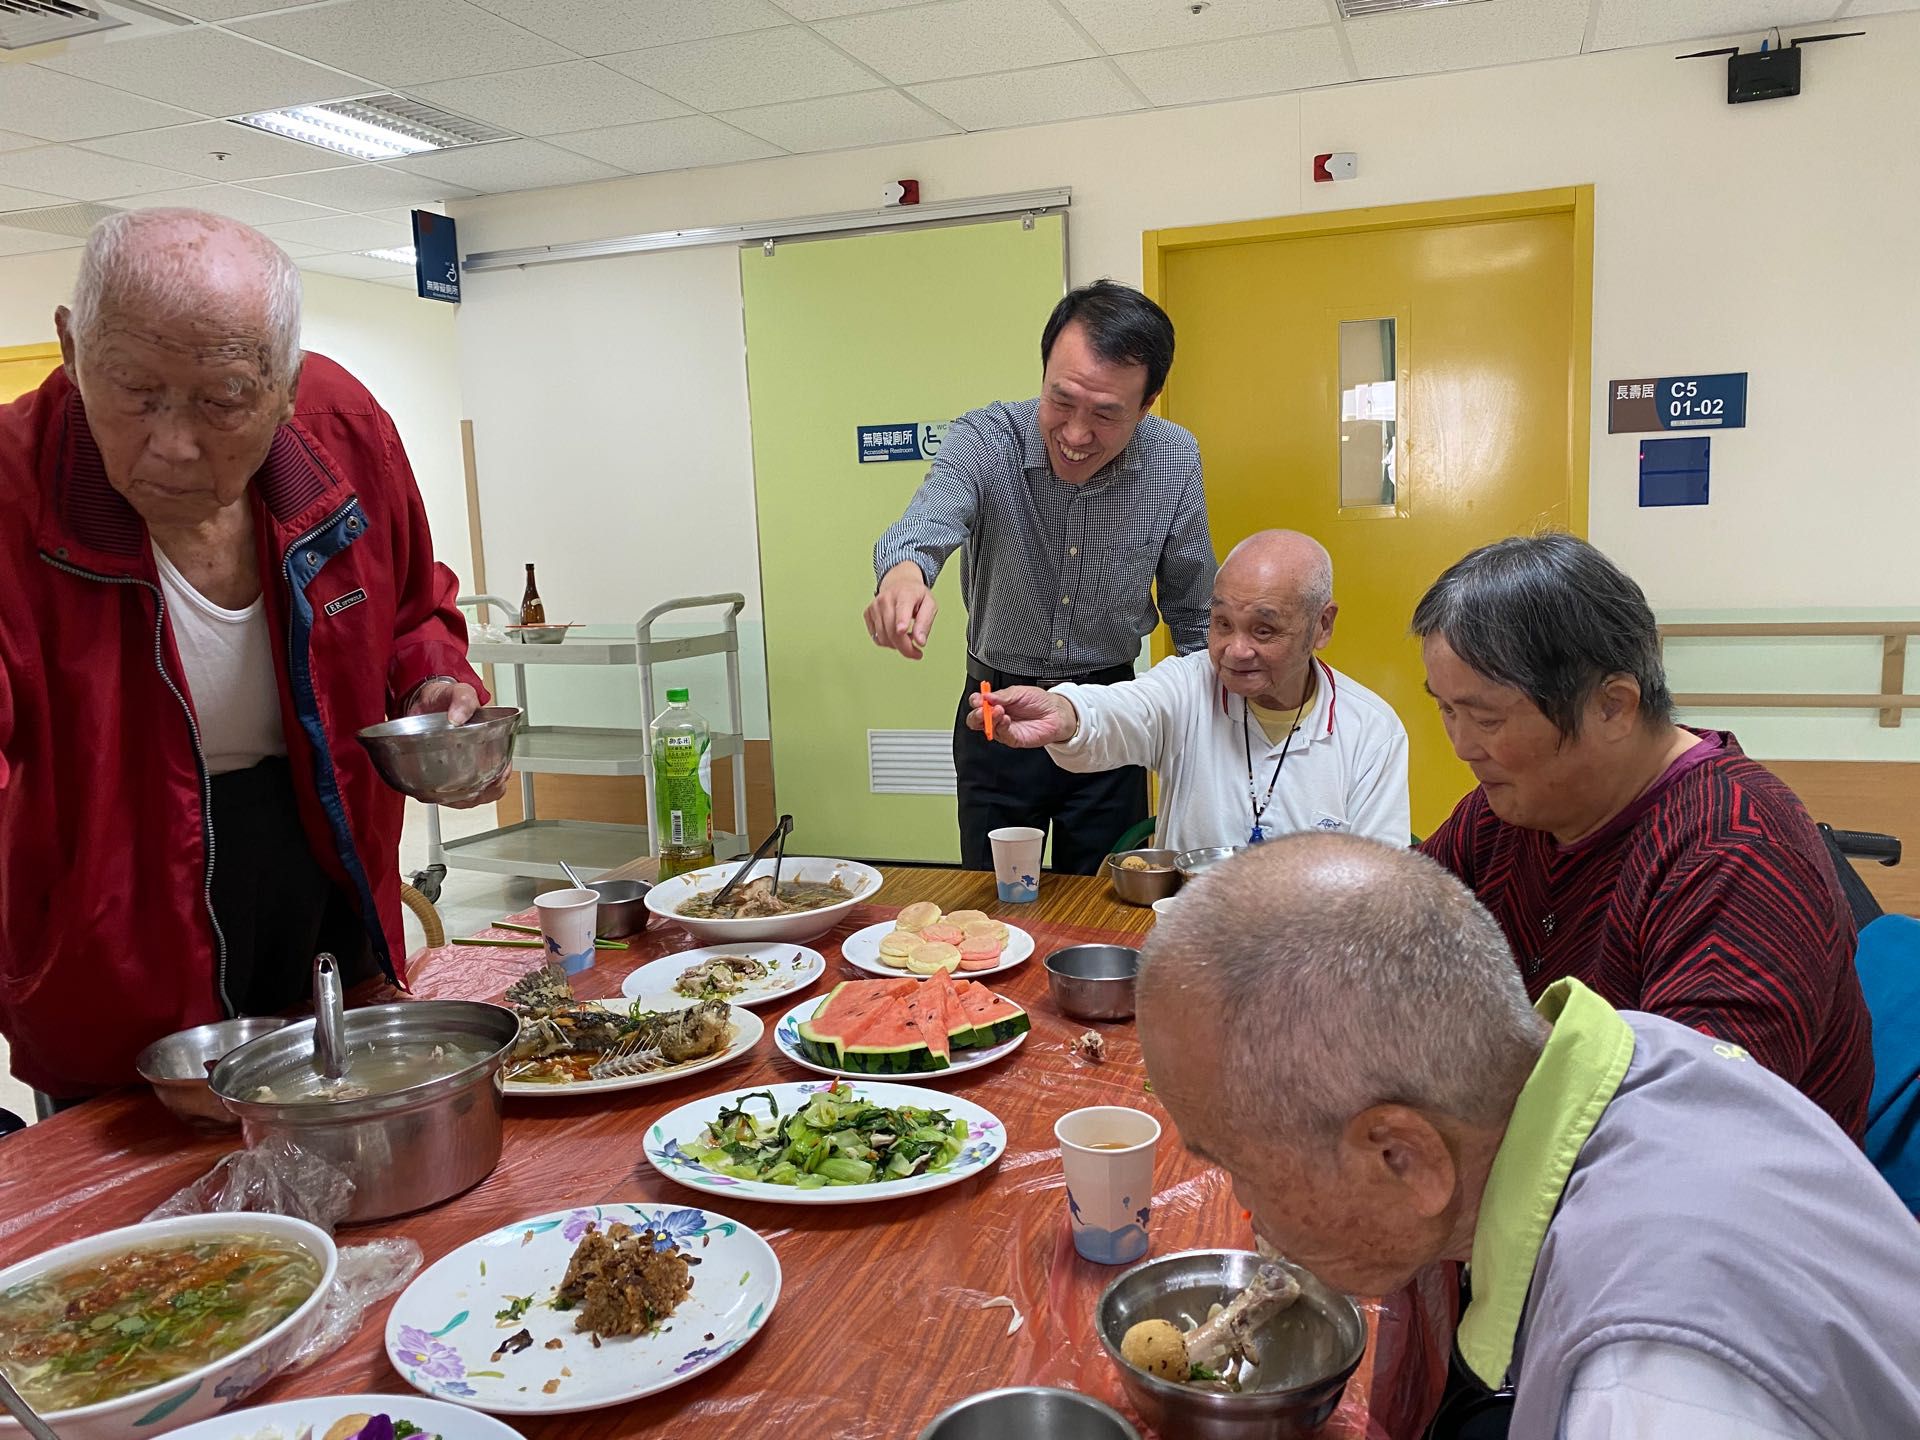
(1891, 701)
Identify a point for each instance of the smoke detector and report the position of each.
(27, 23)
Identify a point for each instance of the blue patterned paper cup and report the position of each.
(1107, 1154)
(1016, 862)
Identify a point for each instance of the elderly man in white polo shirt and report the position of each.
(1257, 737)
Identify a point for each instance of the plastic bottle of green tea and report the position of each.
(681, 740)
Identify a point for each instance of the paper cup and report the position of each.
(1016, 862)
(1107, 1152)
(566, 923)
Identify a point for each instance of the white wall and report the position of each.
(401, 347)
(1772, 238)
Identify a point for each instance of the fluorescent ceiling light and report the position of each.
(1356, 9)
(375, 127)
(397, 254)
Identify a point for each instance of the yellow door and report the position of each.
(23, 367)
(1402, 384)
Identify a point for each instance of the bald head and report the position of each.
(1336, 973)
(200, 281)
(1283, 564)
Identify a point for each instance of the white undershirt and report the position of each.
(1652, 1390)
(228, 657)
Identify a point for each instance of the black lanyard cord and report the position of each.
(1257, 805)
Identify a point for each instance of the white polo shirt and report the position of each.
(1346, 769)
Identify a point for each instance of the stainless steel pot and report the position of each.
(1094, 982)
(404, 1149)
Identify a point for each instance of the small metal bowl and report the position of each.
(1191, 862)
(1143, 887)
(178, 1068)
(539, 634)
(623, 908)
(1307, 1352)
(425, 757)
(1094, 982)
(1032, 1412)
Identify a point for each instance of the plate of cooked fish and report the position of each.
(737, 974)
(569, 1046)
(582, 1308)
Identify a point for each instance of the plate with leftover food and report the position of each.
(737, 974)
(352, 1417)
(583, 1308)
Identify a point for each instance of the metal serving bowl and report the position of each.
(1191, 862)
(1094, 982)
(1143, 887)
(623, 907)
(425, 757)
(540, 634)
(177, 1068)
(403, 1149)
(1307, 1352)
(1031, 1412)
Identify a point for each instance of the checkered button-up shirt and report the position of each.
(1058, 578)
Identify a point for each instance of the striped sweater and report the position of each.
(1710, 900)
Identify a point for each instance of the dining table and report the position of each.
(889, 1311)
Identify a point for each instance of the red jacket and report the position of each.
(107, 937)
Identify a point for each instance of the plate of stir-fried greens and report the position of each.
(825, 1143)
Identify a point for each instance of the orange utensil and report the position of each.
(986, 708)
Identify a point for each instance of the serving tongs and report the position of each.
(329, 1020)
(15, 1404)
(779, 836)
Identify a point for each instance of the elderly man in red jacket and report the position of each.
(214, 569)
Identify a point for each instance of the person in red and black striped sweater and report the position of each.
(1655, 863)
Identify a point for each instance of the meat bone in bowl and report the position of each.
(860, 881)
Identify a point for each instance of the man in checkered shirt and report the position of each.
(1075, 509)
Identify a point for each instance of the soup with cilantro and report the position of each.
(110, 1327)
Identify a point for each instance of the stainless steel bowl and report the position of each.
(1031, 1412)
(1143, 887)
(1307, 1351)
(540, 634)
(623, 908)
(1094, 982)
(177, 1068)
(1191, 862)
(404, 1149)
(425, 757)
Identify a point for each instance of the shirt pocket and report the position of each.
(1124, 572)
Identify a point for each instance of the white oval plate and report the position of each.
(862, 951)
(442, 1333)
(862, 882)
(440, 1420)
(669, 1136)
(794, 968)
(747, 1030)
(786, 1038)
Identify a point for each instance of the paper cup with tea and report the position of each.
(1107, 1153)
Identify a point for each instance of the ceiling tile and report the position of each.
(834, 9)
(13, 198)
(230, 9)
(957, 37)
(876, 117)
(250, 153)
(31, 242)
(682, 144)
(82, 175)
(1466, 37)
(599, 27)
(343, 232)
(761, 67)
(404, 44)
(1858, 9)
(1620, 23)
(210, 71)
(54, 106)
(1256, 65)
(358, 267)
(10, 141)
(236, 202)
(1121, 25)
(360, 187)
(1030, 97)
(509, 165)
(298, 249)
(547, 99)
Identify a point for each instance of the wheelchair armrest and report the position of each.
(1866, 845)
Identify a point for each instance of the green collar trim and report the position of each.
(1572, 1084)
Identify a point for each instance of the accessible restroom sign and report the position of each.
(1679, 402)
(903, 441)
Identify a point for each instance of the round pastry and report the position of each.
(1134, 862)
(918, 915)
(1157, 1347)
(896, 946)
(985, 930)
(964, 918)
(926, 959)
(980, 953)
(944, 933)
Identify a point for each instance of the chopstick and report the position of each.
(506, 944)
(535, 930)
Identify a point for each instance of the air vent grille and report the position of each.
(910, 762)
(39, 22)
(74, 221)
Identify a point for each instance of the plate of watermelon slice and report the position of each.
(902, 1030)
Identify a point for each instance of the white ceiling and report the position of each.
(595, 89)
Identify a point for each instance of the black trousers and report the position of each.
(1001, 786)
(277, 908)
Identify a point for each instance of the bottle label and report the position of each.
(683, 791)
